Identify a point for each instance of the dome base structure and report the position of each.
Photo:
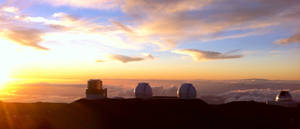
(187, 91)
(143, 91)
(94, 97)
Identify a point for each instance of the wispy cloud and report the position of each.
(234, 36)
(158, 22)
(148, 55)
(95, 4)
(162, 23)
(71, 27)
(123, 27)
(17, 31)
(208, 19)
(200, 55)
(99, 61)
(293, 39)
(126, 59)
(10, 9)
(24, 36)
(165, 44)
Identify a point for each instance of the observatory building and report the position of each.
(143, 90)
(187, 91)
(95, 90)
(284, 98)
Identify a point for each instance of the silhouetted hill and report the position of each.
(146, 114)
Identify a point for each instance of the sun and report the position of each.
(5, 74)
(2, 82)
(8, 58)
(4, 78)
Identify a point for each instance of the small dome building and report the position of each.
(143, 90)
(187, 91)
(284, 96)
(95, 90)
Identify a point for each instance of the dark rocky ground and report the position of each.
(147, 114)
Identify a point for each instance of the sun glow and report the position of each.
(3, 79)
(5, 73)
(8, 60)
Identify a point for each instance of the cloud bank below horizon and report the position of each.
(210, 91)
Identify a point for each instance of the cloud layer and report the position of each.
(208, 19)
(211, 91)
(17, 31)
(25, 36)
(200, 55)
(95, 4)
(162, 24)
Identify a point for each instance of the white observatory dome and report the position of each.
(187, 91)
(283, 96)
(143, 90)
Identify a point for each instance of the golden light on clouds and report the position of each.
(10, 9)
(8, 60)
(167, 39)
(3, 78)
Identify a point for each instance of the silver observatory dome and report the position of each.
(143, 90)
(187, 91)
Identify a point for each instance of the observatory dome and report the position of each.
(143, 90)
(94, 84)
(283, 96)
(187, 91)
(94, 90)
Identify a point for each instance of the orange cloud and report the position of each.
(157, 7)
(126, 59)
(149, 56)
(17, 31)
(123, 27)
(25, 36)
(169, 22)
(293, 39)
(95, 4)
(200, 55)
(208, 19)
(79, 29)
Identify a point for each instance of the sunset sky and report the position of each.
(64, 41)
